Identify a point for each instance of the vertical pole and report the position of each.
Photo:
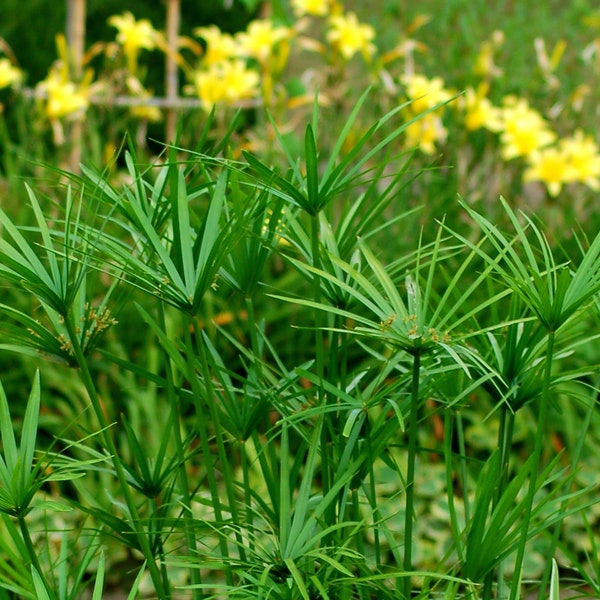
(76, 40)
(171, 74)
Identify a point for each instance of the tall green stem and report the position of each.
(410, 471)
(188, 519)
(198, 395)
(162, 587)
(448, 458)
(563, 507)
(33, 557)
(256, 354)
(316, 259)
(320, 358)
(460, 432)
(224, 459)
(505, 435)
(535, 466)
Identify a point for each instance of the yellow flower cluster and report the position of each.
(249, 66)
(226, 74)
(522, 131)
(226, 82)
(229, 64)
(572, 159)
(525, 134)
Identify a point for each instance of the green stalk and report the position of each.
(316, 257)
(247, 495)
(156, 526)
(505, 435)
(535, 465)
(460, 432)
(562, 510)
(224, 459)
(410, 471)
(253, 334)
(448, 438)
(373, 502)
(201, 422)
(360, 544)
(162, 587)
(33, 555)
(188, 519)
(320, 364)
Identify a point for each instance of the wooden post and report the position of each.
(76, 40)
(171, 72)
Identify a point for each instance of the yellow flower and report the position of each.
(523, 129)
(219, 46)
(425, 132)
(479, 111)
(348, 36)
(550, 166)
(64, 97)
(584, 158)
(146, 112)
(261, 38)
(133, 36)
(484, 61)
(423, 92)
(227, 82)
(315, 8)
(9, 74)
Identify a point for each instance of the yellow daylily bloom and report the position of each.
(484, 61)
(145, 112)
(261, 38)
(425, 133)
(64, 97)
(583, 156)
(479, 111)
(227, 82)
(524, 130)
(219, 46)
(9, 74)
(348, 36)
(425, 93)
(314, 8)
(551, 167)
(133, 36)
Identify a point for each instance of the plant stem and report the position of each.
(224, 459)
(372, 495)
(201, 422)
(448, 455)
(562, 510)
(410, 471)
(188, 520)
(253, 335)
(320, 365)
(535, 465)
(463, 465)
(162, 587)
(505, 435)
(247, 494)
(33, 556)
